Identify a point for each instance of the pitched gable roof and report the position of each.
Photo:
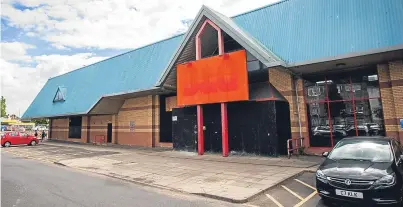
(125, 73)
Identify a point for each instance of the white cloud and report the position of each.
(98, 24)
(15, 51)
(120, 24)
(21, 84)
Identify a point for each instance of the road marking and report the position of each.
(274, 200)
(250, 205)
(292, 192)
(307, 185)
(306, 199)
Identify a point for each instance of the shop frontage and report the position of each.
(345, 104)
(243, 84)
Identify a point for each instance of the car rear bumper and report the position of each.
(385, 196)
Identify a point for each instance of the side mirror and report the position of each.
(325, 154)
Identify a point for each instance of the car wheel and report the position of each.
(7, 144)
(33, 143)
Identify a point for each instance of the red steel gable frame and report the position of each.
(217, 79)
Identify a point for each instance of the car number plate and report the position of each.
(350, 194)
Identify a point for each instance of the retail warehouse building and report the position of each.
(322, 70)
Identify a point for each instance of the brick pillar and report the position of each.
(391, 86)
(284, 82)
(115, 127)
(84, 129)
(396, 76)
(156, 121)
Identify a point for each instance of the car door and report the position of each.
(24, 138)
(14, 138)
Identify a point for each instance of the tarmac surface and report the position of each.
(26, 182)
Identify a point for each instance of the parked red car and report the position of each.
(17, 138)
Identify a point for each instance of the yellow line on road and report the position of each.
(292, 192)
(307, 185)
(274, 200)
(306, 199)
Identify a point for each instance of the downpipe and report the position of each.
(298, 110)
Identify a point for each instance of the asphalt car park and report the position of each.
(296, 192)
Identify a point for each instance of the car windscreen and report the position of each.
(352, 149)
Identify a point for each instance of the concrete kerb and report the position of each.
(61, 164)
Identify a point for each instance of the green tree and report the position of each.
(41, 121)
(3, 106)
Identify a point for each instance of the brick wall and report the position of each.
(98, 128)
(284, 82)
(391, 86)
(146, 128)
(60, 130)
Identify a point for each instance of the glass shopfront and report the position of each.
(342, 105)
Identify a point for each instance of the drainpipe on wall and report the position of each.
(299, 117)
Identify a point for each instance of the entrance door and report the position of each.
(109, 134)
(342, 105)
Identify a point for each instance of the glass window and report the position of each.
(375, 151)
(319, 124)
(365, 86)
(339, 89)
(370, 117)
(348, 104)
(315, 89)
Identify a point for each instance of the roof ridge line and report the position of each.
(259, 8)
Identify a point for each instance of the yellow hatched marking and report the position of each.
(292, 192)
(307, 185)
(274, 200)
(306, 199)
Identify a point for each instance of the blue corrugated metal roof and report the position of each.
(295, 30)
(303, 30)
(138, 69)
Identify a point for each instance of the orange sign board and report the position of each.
(215, 79)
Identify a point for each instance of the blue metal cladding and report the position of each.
(295, 30)
(135, 70)
(304, 30)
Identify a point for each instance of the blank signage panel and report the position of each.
(215, 79)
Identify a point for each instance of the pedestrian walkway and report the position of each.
(234, 178)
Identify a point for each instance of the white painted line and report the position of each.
(292, 192)
(274, 200)
(307, 185)
(306, 199)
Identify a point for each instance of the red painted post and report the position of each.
(200, 132)
(224, 129)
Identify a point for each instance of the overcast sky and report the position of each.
(45, 38)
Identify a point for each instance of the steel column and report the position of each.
(200, 132)
(224, 129)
